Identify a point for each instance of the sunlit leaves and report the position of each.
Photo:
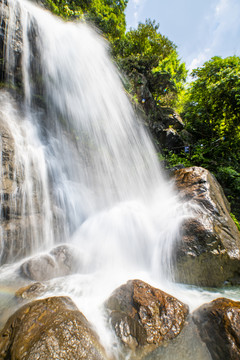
(147, 52)
(107, 15)
(212, 109)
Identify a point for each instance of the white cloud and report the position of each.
(219, 34)
(222, 6)
(138, 7)
(199, 60)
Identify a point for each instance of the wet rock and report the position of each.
(51, 328)
(31, 291)
(14, 239)
(208, 253)
(218, 325)
(186, 346)
(11, 43)
(144, 317)
(61, 261)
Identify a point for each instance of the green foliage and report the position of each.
(213, 105)
(229, 177)
(107, 15)
(173, 159)
(65, 9)
(235, 220)
(146, 52)
(211, 111)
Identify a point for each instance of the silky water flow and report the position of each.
(84, 170)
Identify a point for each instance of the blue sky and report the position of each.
(200, 28)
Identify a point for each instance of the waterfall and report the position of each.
(85, 170)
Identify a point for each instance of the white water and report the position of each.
(91, 175)
(86, 154)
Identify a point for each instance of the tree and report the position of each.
(212, 115)
(147, 52)
(212, 109)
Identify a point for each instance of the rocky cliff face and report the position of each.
(14, 242)
(208, 253)
(11, 47)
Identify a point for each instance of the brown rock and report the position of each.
(31, 291)
(145, 316)
(209, 251)
(51, 328)
(219, 327)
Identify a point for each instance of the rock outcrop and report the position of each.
(144, 317)
(218, 324)
(21, 224)
(14, 242)
(208, 253)
(51, 328)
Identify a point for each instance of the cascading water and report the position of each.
(85, 171)
(103, 175)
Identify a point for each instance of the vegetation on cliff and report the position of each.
(211, 112)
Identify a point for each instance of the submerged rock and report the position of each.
(208, 253)
(188, 345)
(51, 328)
(143, 317)
(218, 324)
(61, 261)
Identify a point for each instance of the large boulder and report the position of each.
(51, 328)
(218, 325)
(60, 261)
(208, 252)
(144, 317)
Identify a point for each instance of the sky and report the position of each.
(201, 29)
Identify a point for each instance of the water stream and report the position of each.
(90, 177)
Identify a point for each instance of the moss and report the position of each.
(235, 220)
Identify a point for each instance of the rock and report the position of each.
(218, 324)
(210, 241)
(21, 225)
(11, 43)
(188, 345)
(31, 291)
(61, 261)
(172, 119)
(144, 317)
(173, 141)
(51, 328)
(14, 242)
